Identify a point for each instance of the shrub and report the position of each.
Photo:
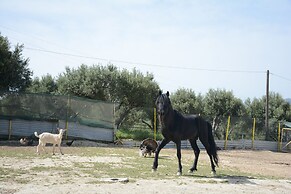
(136, 134)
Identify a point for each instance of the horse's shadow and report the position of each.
(231, 179)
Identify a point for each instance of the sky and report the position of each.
(191, 44)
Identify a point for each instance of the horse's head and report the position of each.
(163, 104)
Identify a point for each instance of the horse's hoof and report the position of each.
(213, 173)
(154, 170)
(179, 173)
(192, 171)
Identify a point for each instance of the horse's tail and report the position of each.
(213, 148)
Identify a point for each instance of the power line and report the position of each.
(65, 54)
(33, 36)
(128, 62)
(133, 63)
(144, 64)
(281, 77)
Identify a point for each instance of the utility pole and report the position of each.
(267, 107)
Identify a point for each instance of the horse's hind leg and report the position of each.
(196, 153)
(211, 160)
(207, 147)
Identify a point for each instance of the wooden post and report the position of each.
(155, 124)
(267, 108)
(67, 116)
(253, 133)
(279, 139)
(9, 129)
(226, 133)
(114, 126)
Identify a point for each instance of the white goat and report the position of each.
(54, 139)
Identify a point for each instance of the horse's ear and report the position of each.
(168, 94)
(160, 92)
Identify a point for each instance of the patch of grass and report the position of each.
(4, 172)
(80, 165)
(22, 181)
(8, 174)
(137, 134)
(49, 168)
(18, 152)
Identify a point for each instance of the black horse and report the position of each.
(176, 127)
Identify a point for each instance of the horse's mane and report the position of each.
(183, 115)
(178, 113)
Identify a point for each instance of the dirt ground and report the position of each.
(270, 173)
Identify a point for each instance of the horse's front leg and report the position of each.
(178, 144)
(162, 144)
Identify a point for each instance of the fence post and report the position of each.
(279, 139)
(9, 129)
(155, 124)
(253, 133)
(226, 133)
(114, 126)
(67, 116)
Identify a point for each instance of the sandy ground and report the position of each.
(261, 163)
(179, 185)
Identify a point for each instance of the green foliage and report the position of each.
(92, 82)
(187, 102)
(14, 72)
(222, 103)
(45, 84)
(137, 134)
(279, 110)
(136, 116)
(134, 90)
(219, 104)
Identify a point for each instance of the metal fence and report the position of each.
(232, 145)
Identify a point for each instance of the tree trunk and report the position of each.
(121, 118)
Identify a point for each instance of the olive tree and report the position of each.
(14, 72)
